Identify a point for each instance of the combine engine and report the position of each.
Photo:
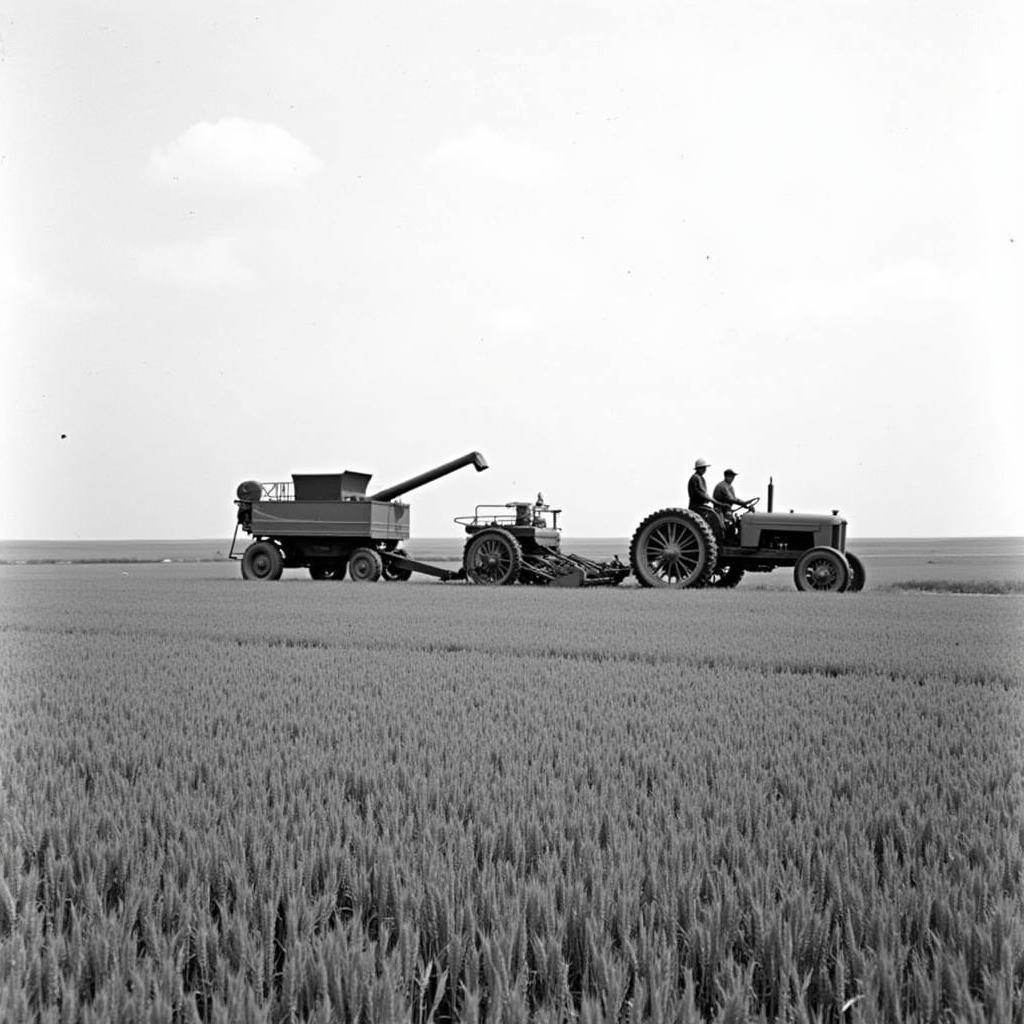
(513, 543)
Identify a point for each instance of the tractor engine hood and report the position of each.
(791, 520)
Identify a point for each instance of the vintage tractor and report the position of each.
(328, 524)
(677, 547)
(513, 543)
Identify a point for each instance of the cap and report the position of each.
(730, 472)
(701, 463)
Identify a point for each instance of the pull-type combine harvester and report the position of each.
(328, 524)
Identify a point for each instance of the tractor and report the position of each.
(678, 547)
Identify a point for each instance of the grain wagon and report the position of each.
(328, 524)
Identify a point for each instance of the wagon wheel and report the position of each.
(262, 560)
(396, 575)
(493, 557)
(858, 574)
(822, 569)
(673, 548)
(726, 576)
(329, 569)
(365, 566)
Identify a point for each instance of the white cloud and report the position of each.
(491, 155)
(234, 153)
(211, 263)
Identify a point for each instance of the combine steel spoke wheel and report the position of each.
(673, 548)
(365, 566)
(494, 558)
(262, 560)
(822, 569)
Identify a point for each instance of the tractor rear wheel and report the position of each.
(493, 558)
(726, 576)
(396, 575)
(673, 548)
(262, 560)
(858, 575)
(364, 566)
(822, 569)
(329, 569)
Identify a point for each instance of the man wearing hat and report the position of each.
(725, 497)
(698, 488)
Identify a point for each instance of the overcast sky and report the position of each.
(592, 240)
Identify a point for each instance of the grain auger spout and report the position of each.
(470, 459)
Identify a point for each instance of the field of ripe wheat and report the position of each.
(318, 801)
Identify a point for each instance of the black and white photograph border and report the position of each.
(491, 526)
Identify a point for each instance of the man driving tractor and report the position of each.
(724, 497)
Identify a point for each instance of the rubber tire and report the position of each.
(674, 526)
(334, 570)
(498, 544)
(396, 575)
(365, 566)
(726, 576)
(829, 567)
(858, 574)
(262, 560)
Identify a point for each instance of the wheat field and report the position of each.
(333, 802)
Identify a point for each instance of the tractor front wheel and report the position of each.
(493, 558)
(673, 548)
(822, 569)
(262, 560)
(365, 566)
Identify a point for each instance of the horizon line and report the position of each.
(573, 536)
